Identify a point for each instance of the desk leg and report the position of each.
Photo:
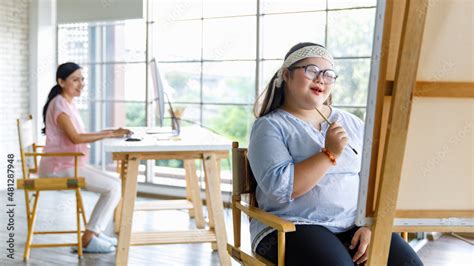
(215, 206)
(209, 212)
(189, 193)
(193, 192)
(122, 168)
(126, 219)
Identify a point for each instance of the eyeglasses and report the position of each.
(312, 72)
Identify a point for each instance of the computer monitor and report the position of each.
(159, 100)
(158, 92)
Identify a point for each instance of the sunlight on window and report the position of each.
(171, 40)
(224, 40)
(208, 52)
(305, 27)
(228, 82)
(285, 6)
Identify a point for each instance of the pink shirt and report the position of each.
(58, 141)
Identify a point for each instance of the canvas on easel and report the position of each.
(417, 172)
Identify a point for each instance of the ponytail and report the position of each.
(55, 91)
(263, 105)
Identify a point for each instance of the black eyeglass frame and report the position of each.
(319, 73)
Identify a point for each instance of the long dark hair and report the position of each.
(63, 71)
(279, 94)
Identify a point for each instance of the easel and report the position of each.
(391, 134)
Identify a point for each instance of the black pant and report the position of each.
(316, 245)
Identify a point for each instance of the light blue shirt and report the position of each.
(278, 141)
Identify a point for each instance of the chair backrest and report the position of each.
(27, 144)
(243, 180)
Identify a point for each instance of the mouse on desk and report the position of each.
(133, 139)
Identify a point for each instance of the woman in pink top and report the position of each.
(65, 132)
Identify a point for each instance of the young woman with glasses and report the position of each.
(307, 170)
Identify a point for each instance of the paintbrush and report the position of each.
(354, 150)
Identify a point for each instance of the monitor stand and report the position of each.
(167, 131)
(159, 130)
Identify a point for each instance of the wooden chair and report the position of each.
(243, 186)
(29, 153)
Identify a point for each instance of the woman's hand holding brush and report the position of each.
(335, 125)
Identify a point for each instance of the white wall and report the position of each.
(27, 68)
(43, 58)
(14, 77)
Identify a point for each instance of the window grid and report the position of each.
(258, 56)
(258, 60)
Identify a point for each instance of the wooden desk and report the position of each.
(194, 143)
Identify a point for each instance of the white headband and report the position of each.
(300, 54)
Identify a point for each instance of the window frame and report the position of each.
(99, 154)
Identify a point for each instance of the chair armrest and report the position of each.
(53, 183)
(267, 218)
(52, 154)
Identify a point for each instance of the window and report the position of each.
(217, 57)
(113, 59)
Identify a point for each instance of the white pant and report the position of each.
(107, 185)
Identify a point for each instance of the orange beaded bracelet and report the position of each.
(330, 155)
